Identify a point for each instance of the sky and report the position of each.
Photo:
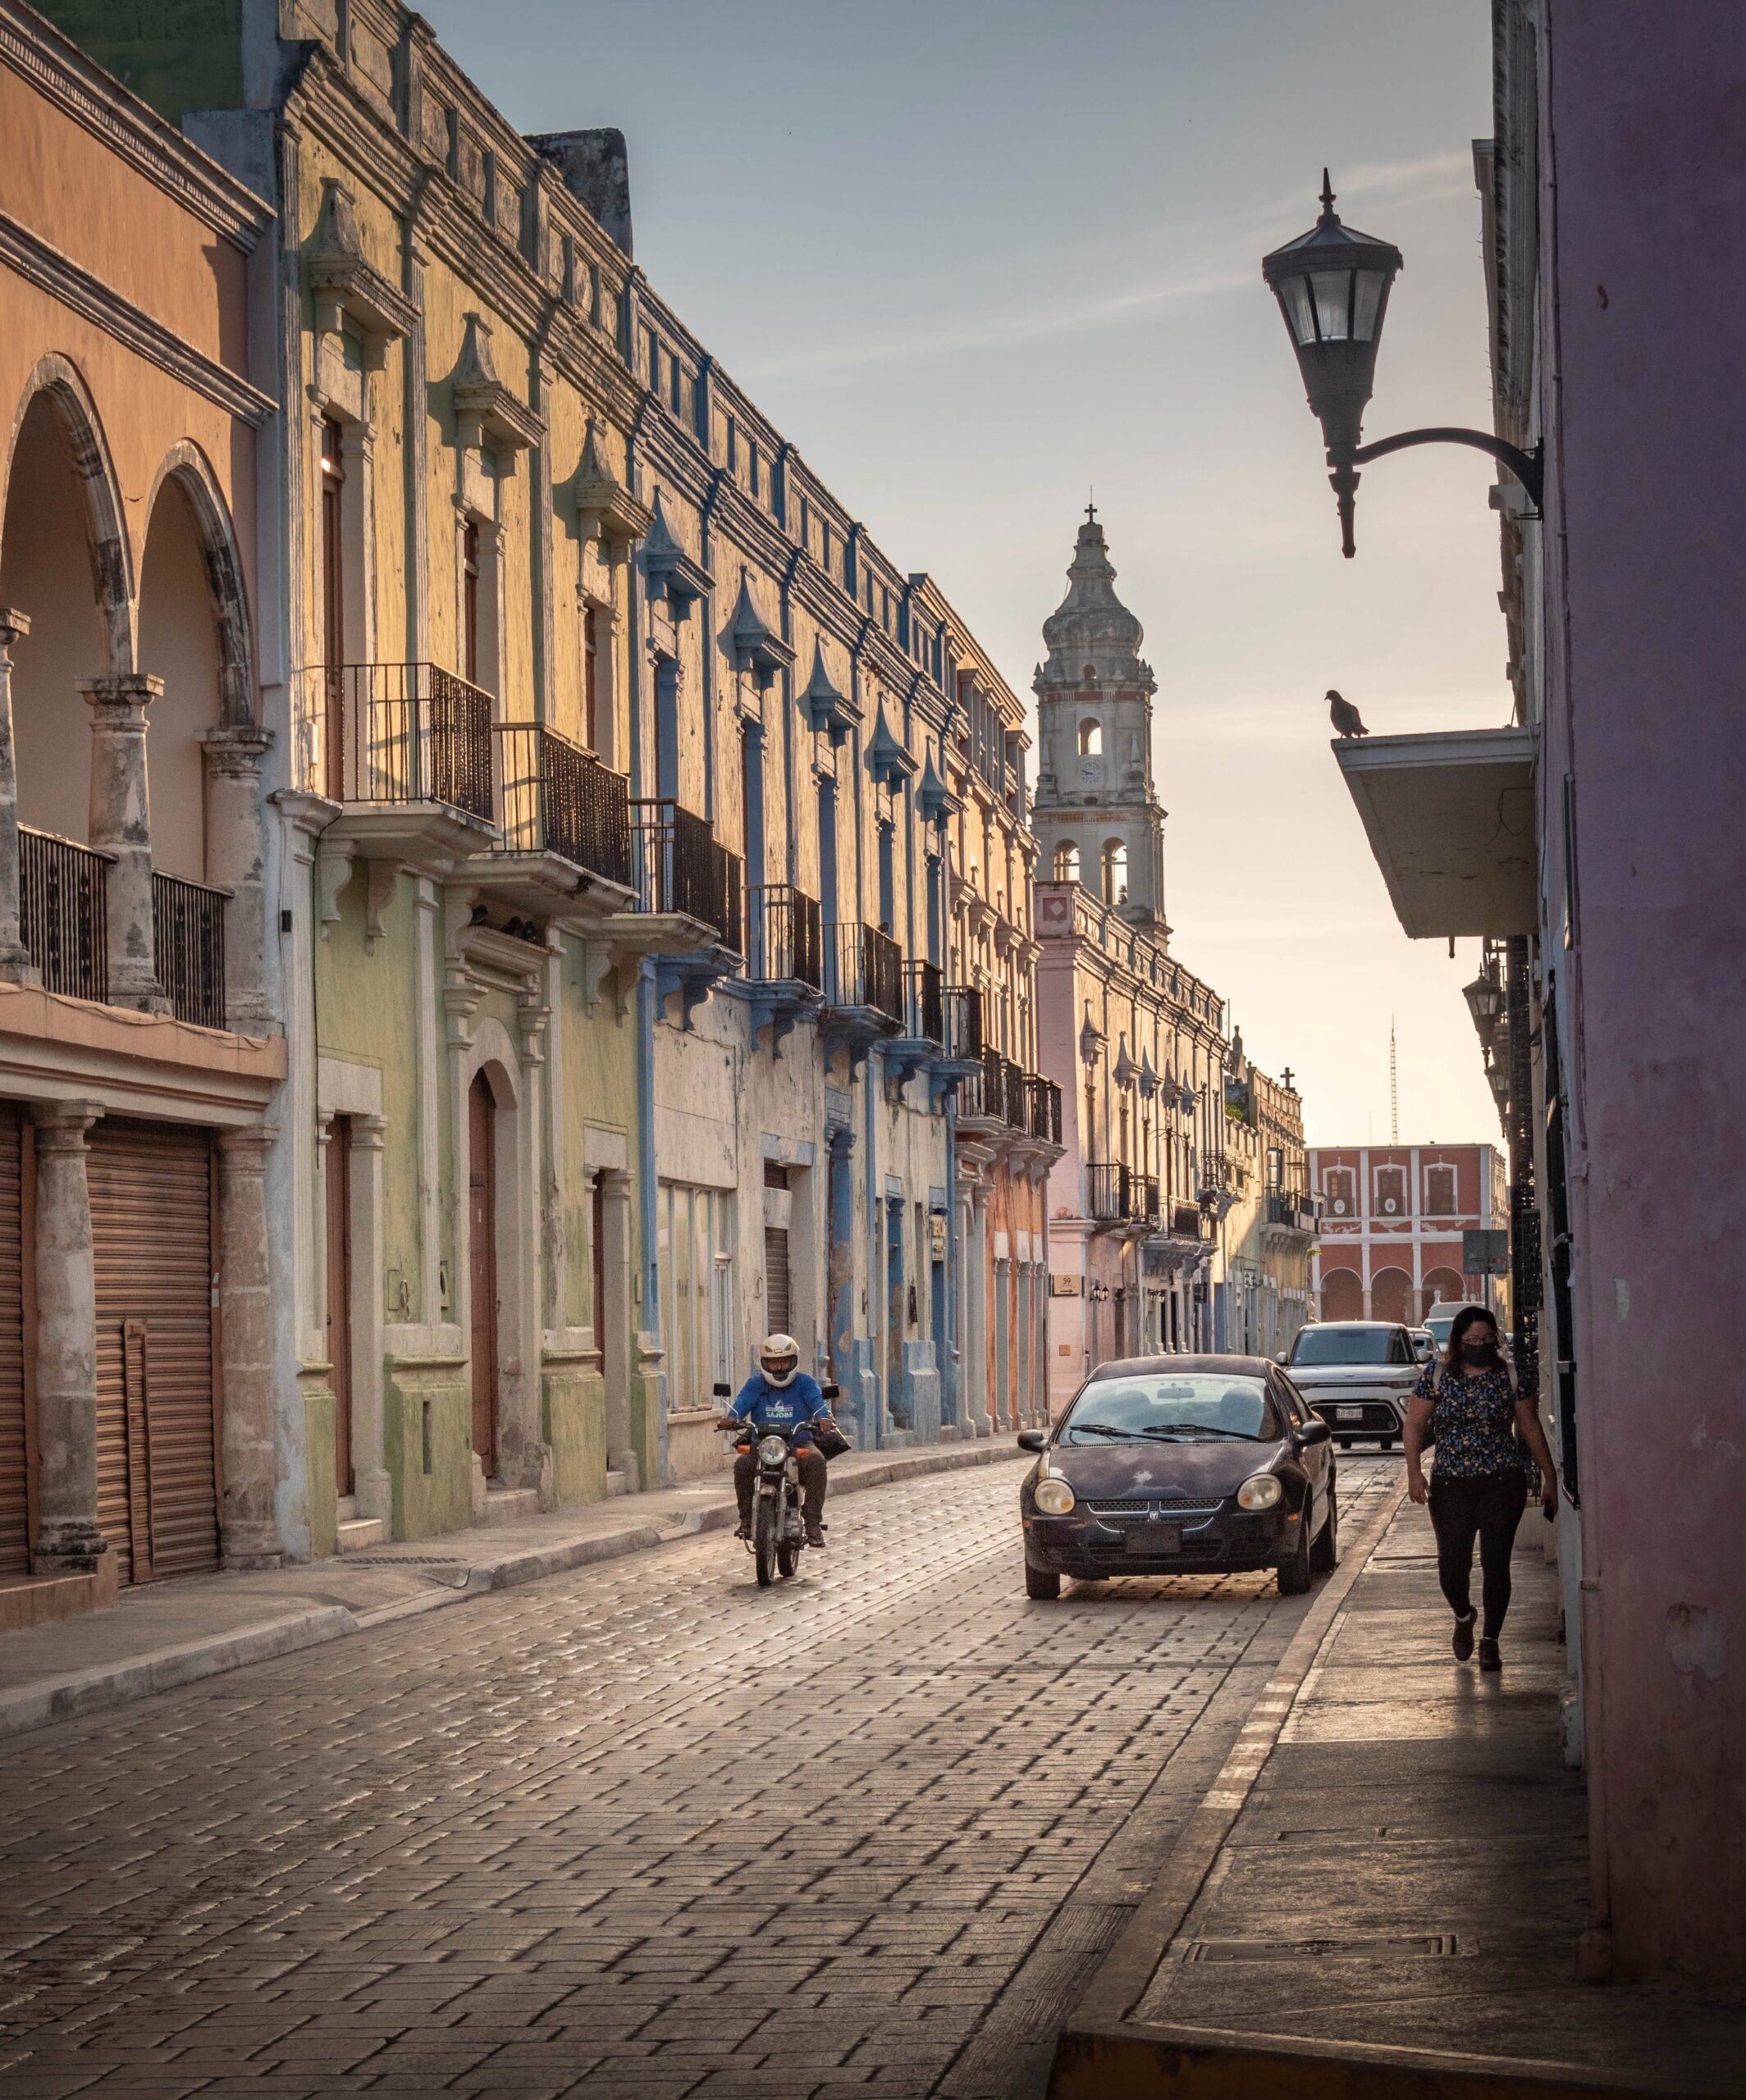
(975, 258)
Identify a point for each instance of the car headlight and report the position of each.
(1263, 1492)
(1054, 1497)
(772, 1450)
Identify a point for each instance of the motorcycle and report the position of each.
(778, 1531)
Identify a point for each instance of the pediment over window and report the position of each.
(672, 573)
(933, 797)
(888, 761)
(605, 509)
(487, 412)
(758, 647)
(349, 294)
(829, 710)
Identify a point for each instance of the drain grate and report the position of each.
(1420, 1946)
(400, 1560)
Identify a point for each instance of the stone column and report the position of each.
(370, 1482)
(977, 1412)
(237, 860)
(121, 826)
(248, 1527)
(614, 1345)
(16, 965)
(67, 1538)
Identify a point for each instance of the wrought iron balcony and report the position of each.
(925, 1001)
(64, 923)
(558, 798)
(1187, 1221)
(961, 1007)
(1015, 1097)
(679, 867)
(1145, 1196)
(399, 733)
(1110, 1191)
(1043, 1100)
(787, 936)
(863, 971)
(188, 949)
(1291, 1208)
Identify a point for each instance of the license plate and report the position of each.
(1349, 1414)
(1154, 1538)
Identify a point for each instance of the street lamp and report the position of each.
(1332, 284)
(1484, 999)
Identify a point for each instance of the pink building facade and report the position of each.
(1390, 1242)
(1594, 844)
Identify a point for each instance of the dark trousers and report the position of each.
(812, 1464)
(1491, 1505)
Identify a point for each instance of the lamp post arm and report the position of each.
(1526, 466)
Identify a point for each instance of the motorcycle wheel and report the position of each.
(788, 1557)
(764, 1541)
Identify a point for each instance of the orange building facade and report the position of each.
(1392, 1226)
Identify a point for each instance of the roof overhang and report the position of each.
(1451, 819)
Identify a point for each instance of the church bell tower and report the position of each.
(1094, 812)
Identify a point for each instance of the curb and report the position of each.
(39, 1706)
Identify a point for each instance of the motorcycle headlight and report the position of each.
(1054, 1497)
(1263, 1492)
(772, 1450)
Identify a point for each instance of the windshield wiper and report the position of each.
(1196, 1429)
(1103, 1429)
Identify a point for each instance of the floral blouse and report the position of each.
(1474, 1419)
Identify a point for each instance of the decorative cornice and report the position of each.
(131, 326)
(484, 407)
(57, 69)
(345, 286)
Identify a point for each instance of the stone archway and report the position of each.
(1342, 1295)
(1391, 1295)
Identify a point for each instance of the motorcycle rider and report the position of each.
(778, 1395)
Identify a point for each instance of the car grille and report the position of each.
(1140, 1505)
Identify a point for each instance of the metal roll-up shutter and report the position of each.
(151, 1226)
(15, 1493)
(776, 1279)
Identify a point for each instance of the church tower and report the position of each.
(1095, 813)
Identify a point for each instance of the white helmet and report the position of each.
(779, 1359)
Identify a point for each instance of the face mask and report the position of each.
(1480, 1356)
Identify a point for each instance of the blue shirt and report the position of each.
(779, 1407)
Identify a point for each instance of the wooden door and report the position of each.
(597, 1249)
(481, 1259)
(339, 1179)
(151, 1243)
(15, 1470)
(333, 604)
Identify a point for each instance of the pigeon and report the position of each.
(1344, 716)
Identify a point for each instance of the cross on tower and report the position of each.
(1286, 1076)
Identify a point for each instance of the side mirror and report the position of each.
(1284, 1357)
(829, 1392)
(1033, 1440)
(1314, 1432)
(722, 1392)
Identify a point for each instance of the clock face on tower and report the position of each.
(1089, 770)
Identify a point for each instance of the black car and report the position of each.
(1180, 1465)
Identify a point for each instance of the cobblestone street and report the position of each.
(639, 1829)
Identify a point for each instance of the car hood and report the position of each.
(1197, 1470)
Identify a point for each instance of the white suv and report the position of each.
(1358, 1375)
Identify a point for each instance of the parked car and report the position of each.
(1358, 1375)
(1440, 1318)
(1178, 1465)
(1424, 1344)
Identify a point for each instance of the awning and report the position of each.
(1450, 820)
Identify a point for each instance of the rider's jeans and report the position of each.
(812, 1477)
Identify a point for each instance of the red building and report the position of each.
(1392, 1218)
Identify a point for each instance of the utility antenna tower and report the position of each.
(1394, 1089)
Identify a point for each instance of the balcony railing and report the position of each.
(1144, 1188)
(1187, 1221)
(1290, 1207)
(864, 968)
(188, 949)
(1015, 1097)
(962, 1009)
(680, 867)
(558, 798)
(1109, 1192)
(787, 936)
(925, 1001)
(64, 923)
(1043, 1100)
(405, 732)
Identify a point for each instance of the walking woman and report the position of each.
(1487, 1436)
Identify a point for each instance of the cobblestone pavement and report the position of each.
(641, 1830)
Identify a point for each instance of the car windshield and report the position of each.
(1189, 1408)
(1342, 1346)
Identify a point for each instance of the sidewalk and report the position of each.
(171, 1633)
(1383, 1892)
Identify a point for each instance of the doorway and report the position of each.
(482, 1265)
(339, 1202)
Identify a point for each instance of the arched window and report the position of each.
(1115, 872)
(1090, 737)
(1067, 862)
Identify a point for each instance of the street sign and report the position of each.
(1486, 1252)
(1061, 1286)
